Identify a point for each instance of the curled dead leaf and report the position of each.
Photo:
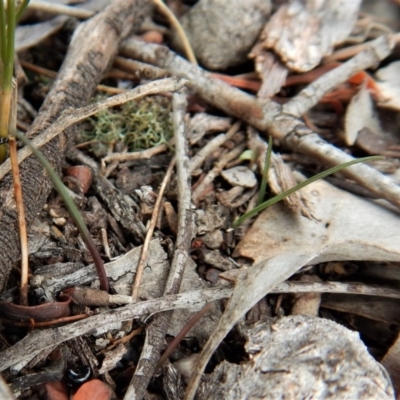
(94, 389)
(43, 312)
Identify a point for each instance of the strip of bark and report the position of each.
(156, 331)
(37, 341)
(92, 49)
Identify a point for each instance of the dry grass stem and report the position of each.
(136, 155)
(23, 235)
(46, 6)
(178, 27)
(149, 234)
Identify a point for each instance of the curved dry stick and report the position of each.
(149, 234)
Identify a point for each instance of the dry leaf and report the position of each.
(388, 82)
(346, 227)
(55, 391)
(301, 33)
(94, 389)
(359, 115)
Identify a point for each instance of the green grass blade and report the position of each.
(314, 178)
(3, 40)
(8, 60)
(264, 180)
(73, 210)
(21, 8)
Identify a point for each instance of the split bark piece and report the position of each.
(302, 33)
(300, 357)
(120, 272)
(92, 48)
(298, 36)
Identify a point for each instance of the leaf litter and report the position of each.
(285, 248)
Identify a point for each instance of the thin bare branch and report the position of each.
(149, 234)
(156, 331)
(136, 155)
(268, 115)
(370, 56)
(46, 6)
(37, 341)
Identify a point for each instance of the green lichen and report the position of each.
(139, 124)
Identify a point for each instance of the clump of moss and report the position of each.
(138, 124)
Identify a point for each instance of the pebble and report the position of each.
(240, 176)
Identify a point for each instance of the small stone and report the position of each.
(213, 240)
(222, 32)
(101, 343)
(240, 176)
(61, 221)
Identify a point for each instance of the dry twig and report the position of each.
(269, 116)
(156, 331)
(37, 341)
(149, 234)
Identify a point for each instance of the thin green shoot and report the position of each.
(288, 192)
(73, 210)
(264, 179)
(3, 39)
(8, 61)
(20, 9)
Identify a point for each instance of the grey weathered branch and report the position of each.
(37, 341)
(155, 333)
(281, 122)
